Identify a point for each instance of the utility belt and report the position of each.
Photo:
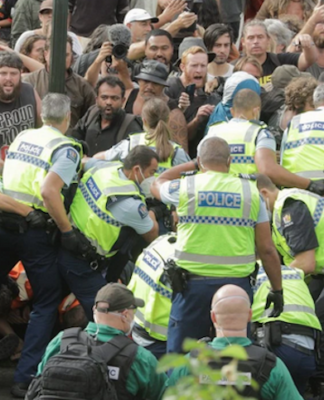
(19, 224)
(269, 335)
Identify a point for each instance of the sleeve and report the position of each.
(89, 98)
(132, 212)
(283, 144)
(79, 131)
(122, 9)
(298, 227)
(169, 192)
(20, 21)
(181, 157)
(91, 163)
(150, 384)
(289, 58)
(280, 384)
(52, 349)
(265, 140)
(118, 152)
(263, 213)
(65, 163)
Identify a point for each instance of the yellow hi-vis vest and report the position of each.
(140, 139)
(217, 217)
(28, 161)
(88, 209)
(148, 281)
(241, 138)
(315, 205)
(303, 153)
(299, 306)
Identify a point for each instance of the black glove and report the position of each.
(75, 242)
(36, 220)
(317, 187)
(275, 297)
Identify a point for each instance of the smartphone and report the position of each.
(190, 89)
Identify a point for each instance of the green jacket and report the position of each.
(279, 386)
(25, 18)
(142, 378)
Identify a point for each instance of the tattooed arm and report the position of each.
(178, 127)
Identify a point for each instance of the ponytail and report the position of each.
(161, 136)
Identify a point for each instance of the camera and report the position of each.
(119, 51)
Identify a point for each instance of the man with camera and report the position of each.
(221, 220)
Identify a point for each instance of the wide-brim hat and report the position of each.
(153, 71)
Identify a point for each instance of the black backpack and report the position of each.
(258, 367)
(80, 371)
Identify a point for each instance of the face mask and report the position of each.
(141, 172)
(146, 186)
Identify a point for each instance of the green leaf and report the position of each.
(234, 351)
(191, 344)
(170, 361)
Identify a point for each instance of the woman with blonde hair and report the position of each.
(157, 135)
(302, 9)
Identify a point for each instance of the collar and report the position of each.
(103, 332)
(222, 342)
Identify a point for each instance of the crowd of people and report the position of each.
(174, 190)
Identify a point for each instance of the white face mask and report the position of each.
(146, 186)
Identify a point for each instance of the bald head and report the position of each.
(231, 310)
(214, 151)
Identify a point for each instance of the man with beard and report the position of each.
(218, 39)
(106, 123)
(19, 103)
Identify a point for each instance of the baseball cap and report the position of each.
(191, 42)
(46, 5)
(282, 75)
(153, 71)
(138, 14)
(118, 297)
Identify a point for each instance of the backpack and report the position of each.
(80, 371)
(258, 367)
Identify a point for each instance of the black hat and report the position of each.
(153, 71)
(191, 42)
(118, 297)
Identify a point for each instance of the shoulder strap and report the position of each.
(109, 350)
(267, 362)
(129, 118)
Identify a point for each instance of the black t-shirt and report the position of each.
(275, 60)
(298, 227)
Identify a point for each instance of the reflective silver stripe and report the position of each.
(318, 211)
(56, 141)
(204, 259)
(152, 284)
(250, 132)
(191, 194)
(119, 189)
(311, 174)
(104, 164)
(247, 199)
(28, 198)
(153, 327)
(292, 308)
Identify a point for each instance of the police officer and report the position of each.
(253, 147)
(298, 226)
(302, 148)
(39, 164)
(291, 336)
(149, 279)
(107, 203)
(221, 218)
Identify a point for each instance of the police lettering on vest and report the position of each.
(219, 199)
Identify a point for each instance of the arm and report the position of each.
(136, 50)
(5, 23)
(184, 20)
(51, 194)
(123, 73)
(170, 175)
(178, 127)
(268, 254)
(202, 113)
(265, 160)
(39, 121)
(31, 64)
(309, 54)
(174, 8)
(10, 205)
(154, 232)
(121, 10)
(305, 261)
(92, 74)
